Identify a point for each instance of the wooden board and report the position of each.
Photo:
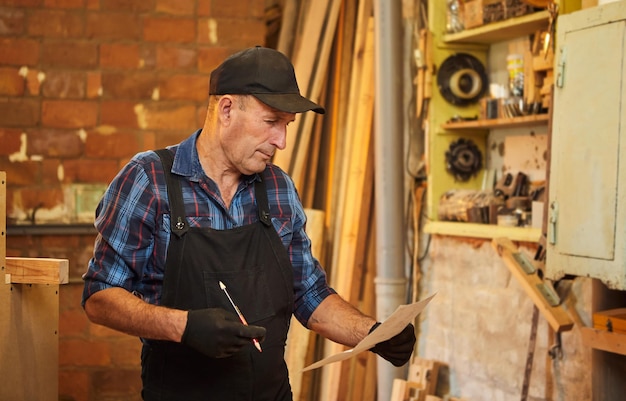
(556, 316)
(350, 252)
(37, 271)
(29, 330)
(603, 340)
(300, 340)
(307, 60)
(610, 320)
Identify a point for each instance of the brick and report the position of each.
(35, 197)
(64, 3)
(50, 171)
(177, 58)
(237, 9)
(164, 139)
(55, 24)
(72, 324)
(69, 54)
(74, 384)
(117, 383)
(90, 171)
(176, 7)
(148, 140)
(83, 353)
(70, 294)
(204, 8)
(20, 173)
(185, 87)
(129, 85)
(210, 57)
(54, 143)
(10, 140)
(22, 3)
(11, 82)
(63, 84)
(161, 29)
(20, 241)
(238, 33)
(125, 5)
(94, 85)
(148, 56)
(118, 113)
(69, 113)
(207, 31)
(19, 52)
(127, 352)
(113, 26)
(115, 146)
(19, 112)
(119, 56)
(12, 22)
(167, 116)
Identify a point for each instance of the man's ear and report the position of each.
(224, 109)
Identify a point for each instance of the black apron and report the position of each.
(255, 267)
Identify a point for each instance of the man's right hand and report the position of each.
(217, 333)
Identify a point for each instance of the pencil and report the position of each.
(243, 319)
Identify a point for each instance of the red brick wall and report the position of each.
(84, 85)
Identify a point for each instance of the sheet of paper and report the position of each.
(393, 325)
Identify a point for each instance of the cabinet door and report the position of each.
(587, 209)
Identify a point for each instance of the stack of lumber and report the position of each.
(330, 158)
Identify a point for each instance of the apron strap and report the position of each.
(178, 221)
(261, 201)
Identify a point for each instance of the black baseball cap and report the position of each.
(264, 73)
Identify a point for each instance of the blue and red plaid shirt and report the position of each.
(133, 222)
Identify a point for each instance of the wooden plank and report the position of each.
(604, 340)
(298, 352)
(556, 316)
(287, 35)
(304, 62)
(476, 230)
(37, 270)
(318, 79)
(340, 102)
(354, 217)
(350, 122)
(363, 372)
(610, 320)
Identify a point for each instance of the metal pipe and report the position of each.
(388, 138)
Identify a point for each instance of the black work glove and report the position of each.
(217, 333)
(397, 349)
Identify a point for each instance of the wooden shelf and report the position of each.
(501, 31)
(489, 231)
(525, 121)
(604, 340)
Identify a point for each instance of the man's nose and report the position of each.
(279, 138)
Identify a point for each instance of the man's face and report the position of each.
(254, 133)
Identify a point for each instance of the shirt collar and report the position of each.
(187, 162)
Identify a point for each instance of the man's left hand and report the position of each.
(397, 349)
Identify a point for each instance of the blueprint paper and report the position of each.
(393, 325)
